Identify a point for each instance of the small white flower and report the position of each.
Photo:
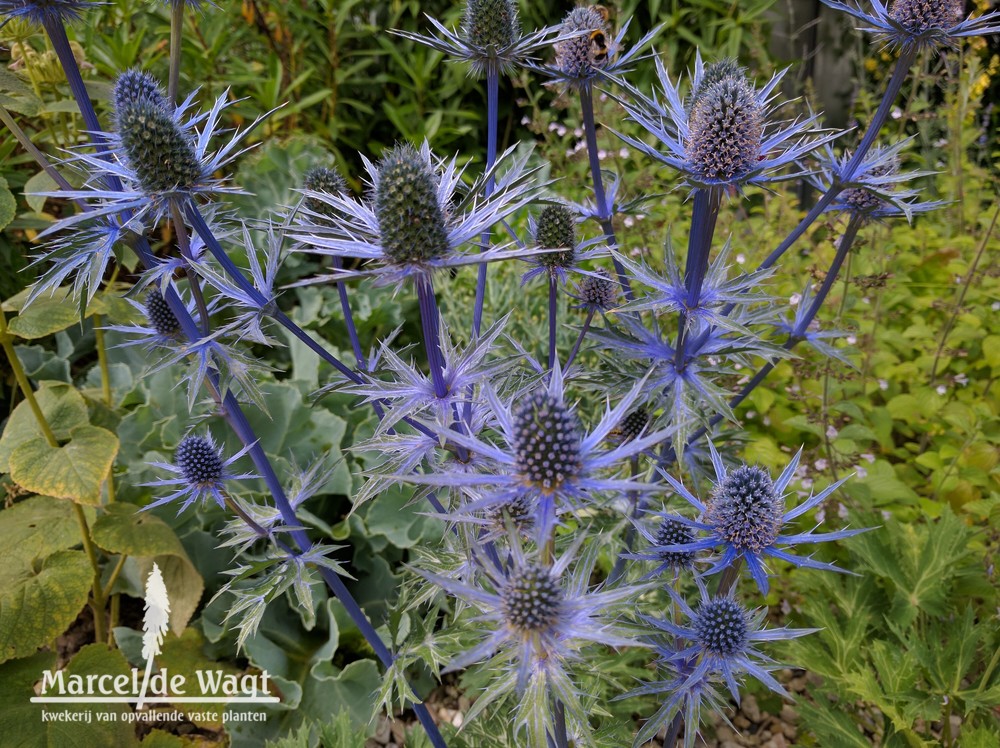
(795, 299)
(624, 152)
(831, 433)
(741, 259)
(961, 379)
(841, 511)
(860, 471)
(821, 464)
(851, 340)
(883, 384)
(629, 222)
(941, 389)
(868, 457)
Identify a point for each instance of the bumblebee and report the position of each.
(598, 37)
(598, 46)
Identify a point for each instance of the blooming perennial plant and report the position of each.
(504, 448)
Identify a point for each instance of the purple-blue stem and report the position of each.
(704, 216)
(492, 117)
(604, 211)
(352, 330)
(553, 319)
(235, 415)
(579, 339)
(431, 325)
(184, 244)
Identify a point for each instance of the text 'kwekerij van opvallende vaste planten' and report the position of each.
(418, 411)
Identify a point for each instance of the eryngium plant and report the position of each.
(538, 482)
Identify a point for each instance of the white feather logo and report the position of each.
(154, 624)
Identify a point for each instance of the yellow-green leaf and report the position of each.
(38, 605)
(63, 407)
(35, 528)
(8, 206)
(74, 471)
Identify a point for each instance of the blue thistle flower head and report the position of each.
(555, 228)
(200, 472)
(667, 544)
(542, 453)
(671, 532)
(45, 12)
(746, 510)
(161, 154)
(322, 179)
(491, 23)
(918, 23)
(412, 222)
(546, 442)
(410, 218)
(874, 189)
(725, 130)
(746, 516)
(535, 619)
(720, 642)
(489, 38)
(598, 291)
(720, 135)
(586, 50)
(160, 316)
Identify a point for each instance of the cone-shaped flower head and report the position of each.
(546, 441)
(921, 16)
(531, 599)
(160, 315)
(715, 72)
(586, 50)
(672, 531)
(322, 179)
(746, 509)
(598, 292)
(861, 200)
(726, 129)
(134, 86)
(721, 135)
(491, 23)
(722, 626)
(555, 229)
(199, 461)
(162, 155)
(44, 11)
(411, 223)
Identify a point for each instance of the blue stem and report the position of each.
(492, 117)
(704, 217)
(234, 413)
(431, 323)
(604, 211)
(579, 339)
(352, 330)
(553, 319)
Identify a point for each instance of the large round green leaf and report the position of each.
(74, 470)
(36, 605)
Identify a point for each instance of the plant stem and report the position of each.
(431, 325)
(6, 341)
(600, 198)
(579, 339)
(115, 573)
(553, 319)
(97, 593)
(102, 360)
(492, 117)
(704, 216)
(176, 38)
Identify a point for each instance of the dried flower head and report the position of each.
(598, 291)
